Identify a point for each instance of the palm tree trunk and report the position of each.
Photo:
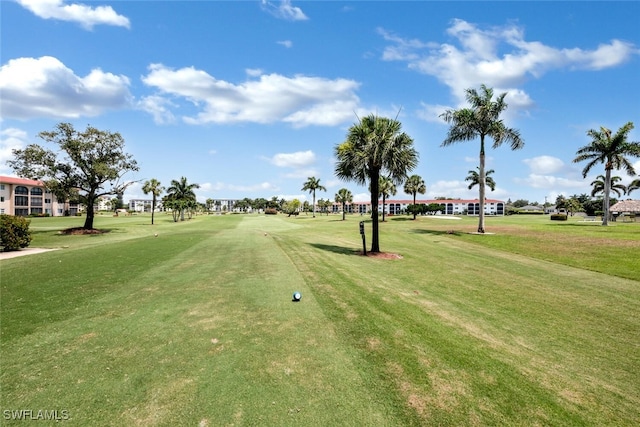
(383, 205)
(314, 204)
(153, 207)
(481, 185)
(607, 190)
(414, 206)
(375, 188)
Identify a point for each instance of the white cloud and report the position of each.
(301, 174)
(84, 15)
(294, 160)
(478, 56)
(550, 181)
(253, 72)
(543, 165)
(299, 100)
(284, 10)
(361, 197)
(286, 43)
(432, 112)
(45, 87)
(10, 139)
(159, 108)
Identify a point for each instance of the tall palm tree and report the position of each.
(612, 150)
(474, 179)
(633, 185)
(153, 186)
(387, 188)
(481, 120)
(599, 183)
(181, 193)
(414, 185)
(374, 145)
(311, 186)
(344, 196)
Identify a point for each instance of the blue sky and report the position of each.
(249, 98)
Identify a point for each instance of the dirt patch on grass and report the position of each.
(81, 231)
(382, 255)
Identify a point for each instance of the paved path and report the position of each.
(23, 252)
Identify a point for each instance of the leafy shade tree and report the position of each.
(312, 185)
(91, 162)
(292, 207)
(373, 146)
(181, 197)
(344, 196)
(573, 205)
(481, 120)
(599, 184)
(387, 188)
(474, 179)
(153, 186)
(613, 150)
(633, 185)
(414, 185)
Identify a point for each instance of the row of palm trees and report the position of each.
(376, 146)
(377, 153)
(180, 197)
(616, 186)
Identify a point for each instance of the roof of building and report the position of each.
(438, 201)
(19, 181)
(626, 206)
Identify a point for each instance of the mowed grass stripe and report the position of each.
(197, 327)
(206, 335)
(534, 330)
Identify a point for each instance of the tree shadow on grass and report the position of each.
(335, 249)
(436, 232)
(402, 218)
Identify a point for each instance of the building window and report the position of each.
(36, 201)
(36, 210)
(22, 190)
(21, 212)
(36, 191)
(1, 198)
(1, 186)
(22, 200)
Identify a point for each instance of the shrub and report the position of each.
(558, 217)
(14, 232)
(270, 211)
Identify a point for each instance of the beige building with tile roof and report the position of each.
(626, 206)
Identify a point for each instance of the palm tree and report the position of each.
(474, 179)
(374, 145)
(311, 186)
(633, 185)
(612, 150)
(481, 120)
(387, 188)
(599, 183)
(414, 185)
(344, 196)
(181, 193)
(153, 186)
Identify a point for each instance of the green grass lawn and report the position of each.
(536, 324)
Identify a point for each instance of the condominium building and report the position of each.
(449, 206)
(22, 197)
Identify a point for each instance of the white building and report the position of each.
(450, 206)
